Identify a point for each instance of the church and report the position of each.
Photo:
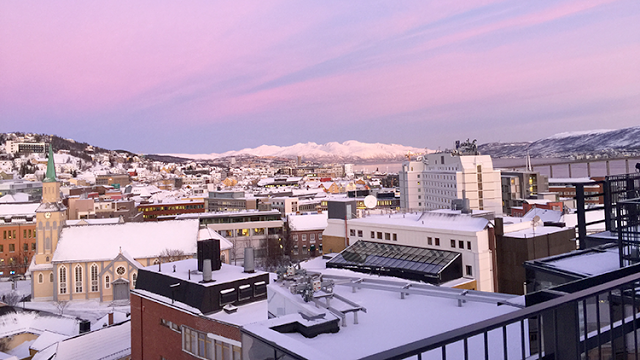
(101, 261)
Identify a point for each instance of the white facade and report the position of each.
(464, 234)
(438, 179)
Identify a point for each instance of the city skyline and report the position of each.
(204, 77)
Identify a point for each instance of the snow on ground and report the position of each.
(23, 287)
(92, 310)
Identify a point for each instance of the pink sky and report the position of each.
(203, 76)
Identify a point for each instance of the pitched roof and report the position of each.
(139, 240)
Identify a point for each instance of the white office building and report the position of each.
(435, 180)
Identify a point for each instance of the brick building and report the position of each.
(17, 237)
(156, 211)
(177, 314)
(305, 234)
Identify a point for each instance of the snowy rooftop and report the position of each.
(139, 240)
(12, 323)
(105, 221)
(18, 209)
(388, 322)
(588, 262)
(535, 231)
(427, 220)
(308, 222)
(182, 268)
(92, 345)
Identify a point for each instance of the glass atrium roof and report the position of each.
(369, 254)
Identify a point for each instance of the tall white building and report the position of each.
(437, 179)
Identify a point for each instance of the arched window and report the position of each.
(134, 278)
(51, 277)
(107, 282)
(63, 280)
(78, 278)
(40, 278)
(94, 278)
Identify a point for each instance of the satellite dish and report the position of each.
(370, 201)
(535, 221)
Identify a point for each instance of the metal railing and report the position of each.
(593, 318)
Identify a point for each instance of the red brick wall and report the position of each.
(152, 340)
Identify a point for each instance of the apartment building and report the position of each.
(436, 180)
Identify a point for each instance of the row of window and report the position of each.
(303, 237)
(177, 207)
(26, 234)
(12, 247)
(79, 280)
(436, 241)
(375, 235)
(12, 261)
(209, 346)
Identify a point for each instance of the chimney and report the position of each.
(209, 249)
(110, 318)
(249, 265)
(85, 326)
(206, 270)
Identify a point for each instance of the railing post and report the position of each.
(608, 208)
(582, 222)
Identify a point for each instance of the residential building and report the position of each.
(13, 187)
(197, 318)
(17, 237)
(244, 229)
(231, 201)
(119, 181)
(520, 185)
(166, 210)
(436, 180)
(21, 147)
(305, 234)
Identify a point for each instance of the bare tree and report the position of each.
(12, 298)
(171, 255)
(61, 305)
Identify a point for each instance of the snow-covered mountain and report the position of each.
(330, 152)
(572, 144)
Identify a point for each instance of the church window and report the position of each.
(107, 281)
(63, 280)
(40, 278)
(120, 270)
(134, 278)
(51, 277)
(94, 278)
(78, 279)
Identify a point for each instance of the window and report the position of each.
(107, 282)
(461, 244)
(25, 247)
(134, 279)
(259, 288)
(379, 235)
(51, 277)
(429, 241)
(295, 237)
(312, 237)
(468, 245)
(244, 292)
(373, 235)
(453, 243)
(395, 237)
(387, 236)
(94, 277)
(24, 233)
(12, 247)
(63, 280)
(210, 346)
(120, 270)
(227, 296)
(40, 278)
(437, 241)
(170, 324)
(469, 271)
(359, 233)
(304, 237)
(1, 248)
(78, 278)
(352, 232)
(33, 246)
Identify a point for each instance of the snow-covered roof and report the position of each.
(110, 343)
(388, 322)
(308, 222)
(12, 323)
(427, 220)
(46, 339)
(588, 262)
(544, 215)
(18, 209)
(140, 240)
(14, 198)
(105, 221)
(205, 234)
(226, 273)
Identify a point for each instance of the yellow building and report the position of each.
(102, 261)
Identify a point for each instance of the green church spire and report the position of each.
(51, 168)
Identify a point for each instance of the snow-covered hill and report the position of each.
(333, 151)
(572, 144)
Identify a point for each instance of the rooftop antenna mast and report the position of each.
(528, 163)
